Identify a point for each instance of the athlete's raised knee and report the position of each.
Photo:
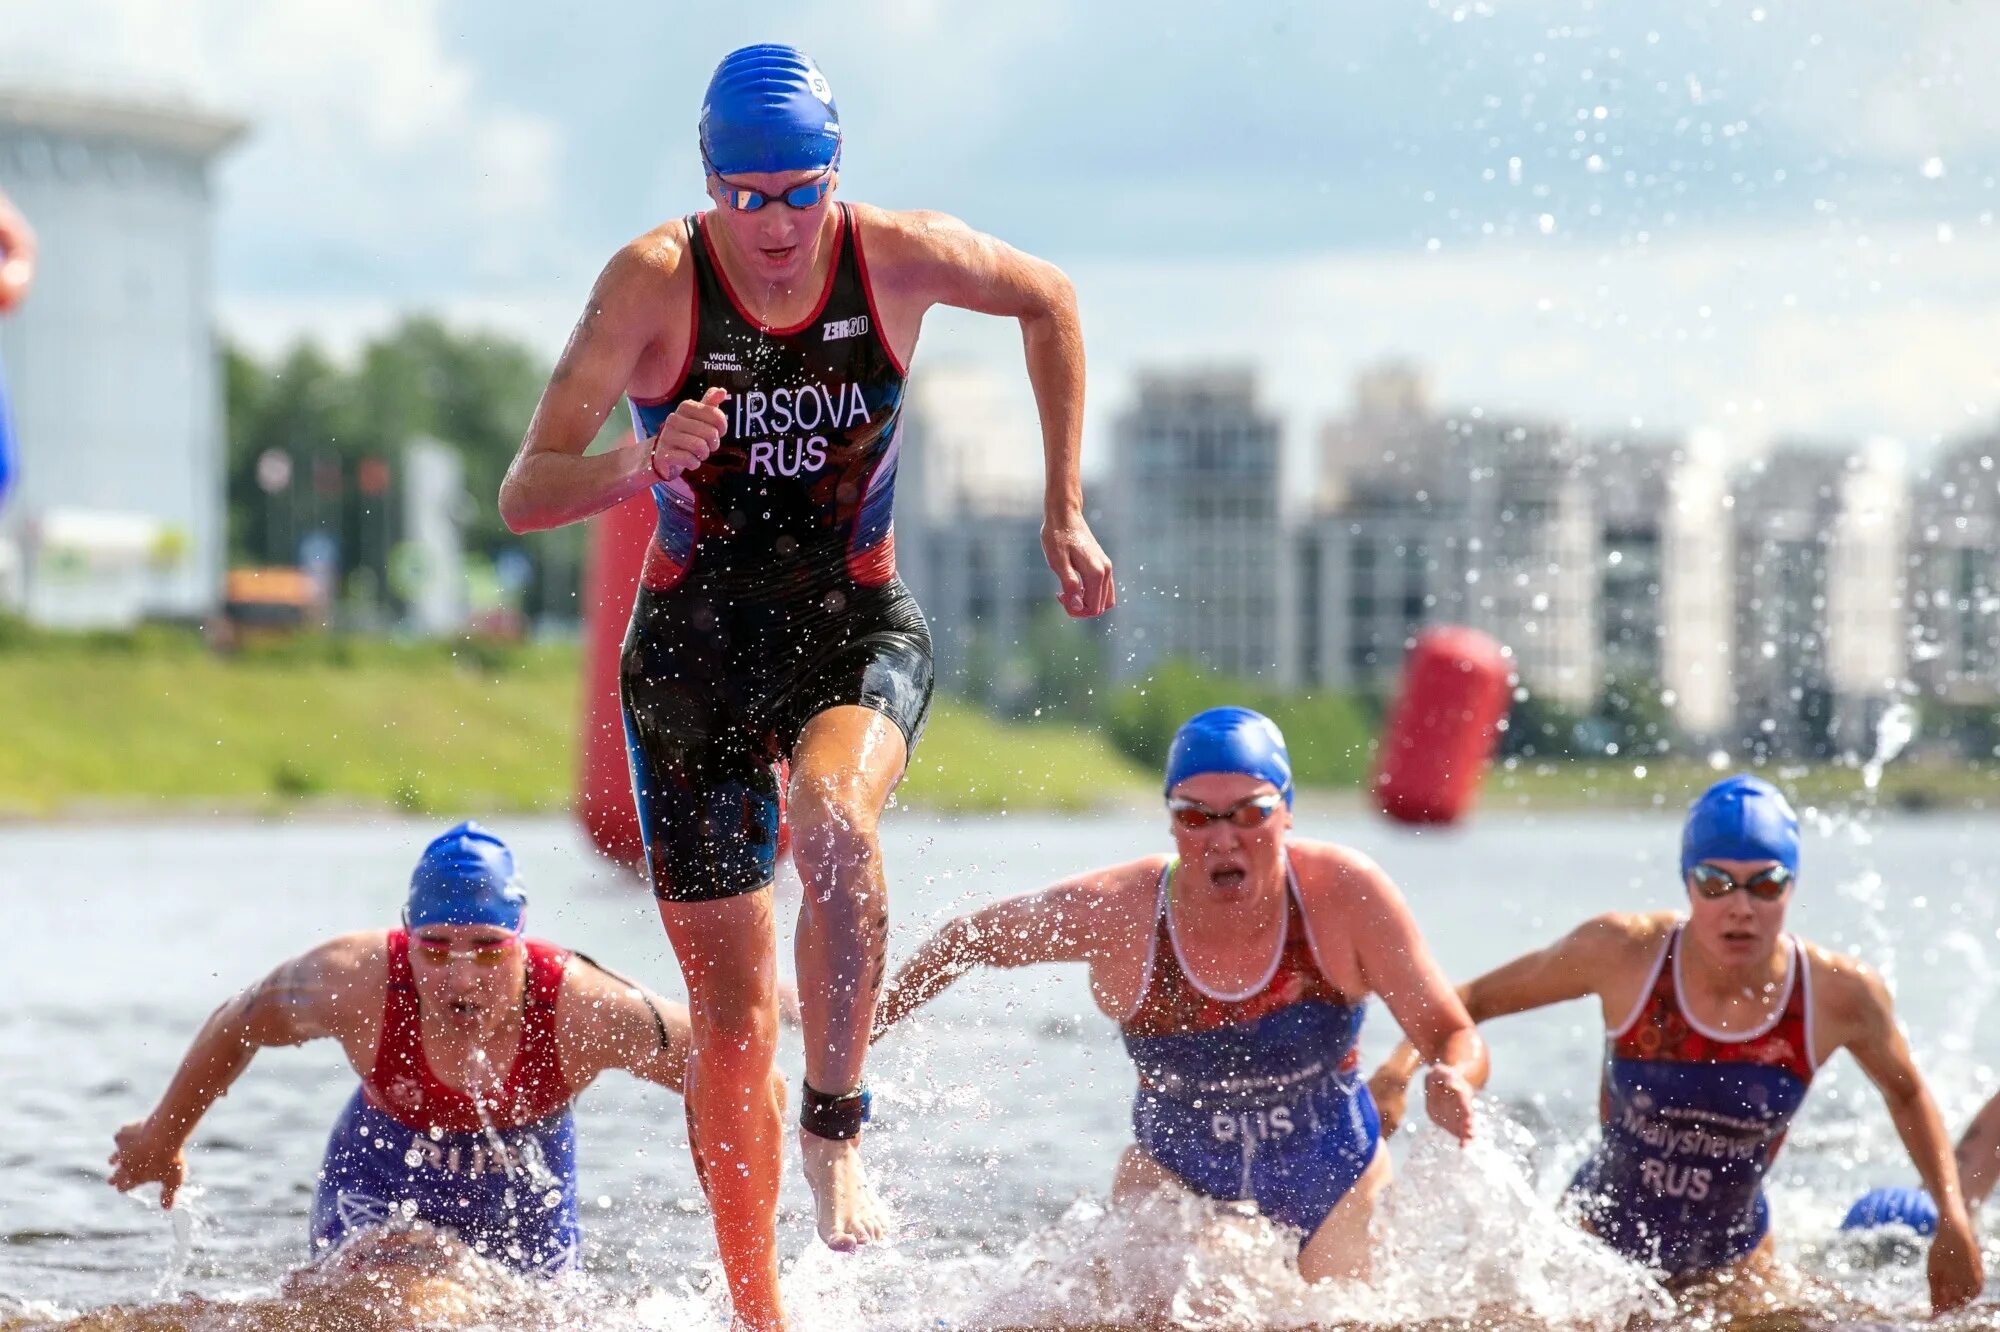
(833, 829)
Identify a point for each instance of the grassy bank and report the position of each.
(115, 722)
(158, 720)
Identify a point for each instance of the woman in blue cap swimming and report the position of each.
(1716, 1020)
(470, 1040)
(1237, 969)
(763, 345)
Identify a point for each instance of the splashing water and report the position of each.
(1893, 733)
(188, 1219)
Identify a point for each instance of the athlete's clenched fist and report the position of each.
(688, 436)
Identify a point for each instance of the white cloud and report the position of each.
(370, 138)
(399, 164)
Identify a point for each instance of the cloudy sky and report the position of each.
(1765, 219)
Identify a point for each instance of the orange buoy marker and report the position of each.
(616, 549)
(1441, 733)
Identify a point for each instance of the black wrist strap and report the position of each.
(836, 1118)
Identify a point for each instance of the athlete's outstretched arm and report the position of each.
(948, 263)
(604, 1020)
(1862, 1010)
(294, 1004)
(1978, 1154)
(1060, 924)
(1567, 969)
(1398, 965)
(551, 482)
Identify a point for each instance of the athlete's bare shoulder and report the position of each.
(1850, 995)
(1088, 903)
(345, 960)
(647, 268)
(932, 258)
(1333, 870)
(641, 303)
(334, 988)
(899, 234)
(1113, 888)
(1621, 939)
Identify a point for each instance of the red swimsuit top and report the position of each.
(1661, 1029)
(1173, 1002)
(403, 1086)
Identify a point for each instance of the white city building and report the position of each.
(1821, 621)
(1205, 562)
(117, 510)
(1667, 579)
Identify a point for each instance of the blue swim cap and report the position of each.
(1230, 740)
(768, 108)
(466, 877)
(1741, 818)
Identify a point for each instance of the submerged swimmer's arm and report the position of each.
(606, 1021)
(1862, 1017)
(935, 259)
(302, 999)
(551, 482)
(1061, 924)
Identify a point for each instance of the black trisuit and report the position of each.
(769, 592)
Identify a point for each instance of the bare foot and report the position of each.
(850, 1215)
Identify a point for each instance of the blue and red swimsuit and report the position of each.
(1693, 1119)
(1256, 1096)
(499, 1170)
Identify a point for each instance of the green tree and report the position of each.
(472, 390)
(1330, 736)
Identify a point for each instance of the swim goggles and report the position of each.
(1250, 813)
(1766, 885)
(742, 199)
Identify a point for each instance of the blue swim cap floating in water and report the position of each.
(768, 108)
(466, 877)
(1741, 818)
(1893, 1207)
(1230, 740)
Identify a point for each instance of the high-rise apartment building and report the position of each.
(1820, 616)
(1955, 573)
(1665, 582)
(968, 524)
(1204, 561)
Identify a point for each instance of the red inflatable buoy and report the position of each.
(616, 549)
(1441, 733)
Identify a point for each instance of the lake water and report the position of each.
(1000, 1110)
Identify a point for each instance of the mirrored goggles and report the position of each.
(1251, 813)
(742, 199)
(1766, 885)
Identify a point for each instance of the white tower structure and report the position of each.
(111, 361)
